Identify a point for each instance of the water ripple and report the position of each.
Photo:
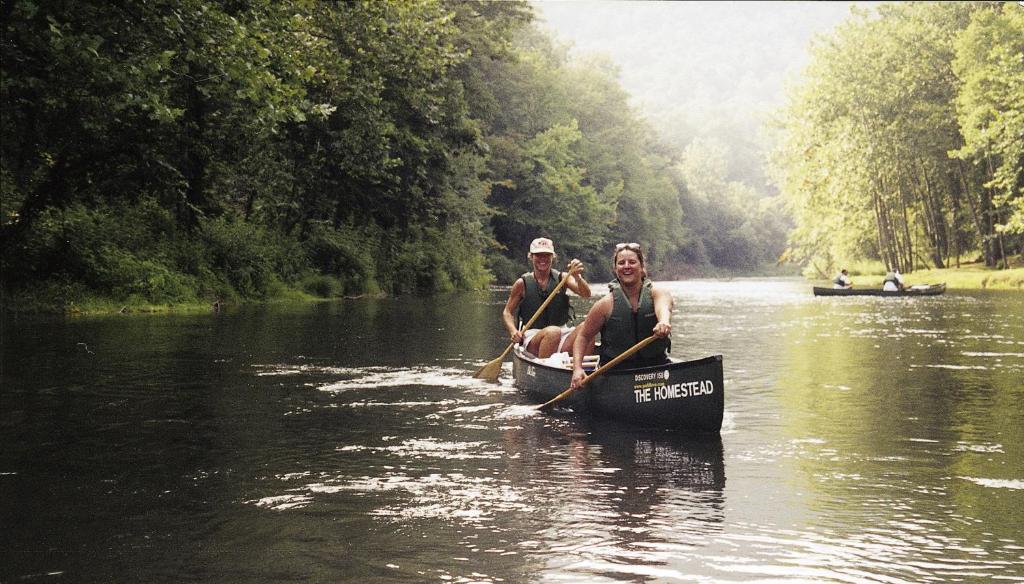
(1015, 484)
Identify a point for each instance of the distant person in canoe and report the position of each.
(548, 334)
(842, 280)
(893, 282)
(633, 310)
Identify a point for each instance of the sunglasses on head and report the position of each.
(632, 246)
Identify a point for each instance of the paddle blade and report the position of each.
(490, 371)
(551, 402)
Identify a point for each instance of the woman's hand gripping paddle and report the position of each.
(625, 355)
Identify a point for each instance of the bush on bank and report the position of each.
(100, 259)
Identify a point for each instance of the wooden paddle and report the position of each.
(491, 371)
(625, 355)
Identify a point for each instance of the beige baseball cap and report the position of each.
(542, 245)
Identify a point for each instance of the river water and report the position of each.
(865, 440)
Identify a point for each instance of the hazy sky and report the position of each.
(709, 71)
(707, 54)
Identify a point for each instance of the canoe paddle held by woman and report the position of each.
(548, 334)
(633, 310)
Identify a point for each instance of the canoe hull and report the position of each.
(933, 290)
(685, 397)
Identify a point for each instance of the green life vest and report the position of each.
(625, 328)
(557, 313)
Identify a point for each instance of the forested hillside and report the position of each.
(174, 151)
(904, 141)
(177, 151)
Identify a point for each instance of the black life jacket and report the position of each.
(557, 313)
(625, 328)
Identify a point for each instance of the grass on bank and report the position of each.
(969, 276)
(76, 300)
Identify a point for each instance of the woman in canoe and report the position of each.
(634, 310)
(549, 334)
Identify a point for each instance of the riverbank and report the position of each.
(92, 305)
(96, 306)
(966, 277)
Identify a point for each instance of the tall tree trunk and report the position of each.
(934, 220)
(909, 255)
(884, 245)
(1002, 246)
(899, 247)
(988, 223)
(994, 218)
(976, 214)
(953, 227)
(195, 161)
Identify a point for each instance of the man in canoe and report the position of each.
(842, 280)
(634, 310)
(548, 334)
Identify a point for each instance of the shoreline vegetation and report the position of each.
(173, 157)
(295, 149)
(967, 277)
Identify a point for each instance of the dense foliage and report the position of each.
(176, 151)
(905, 140)
(180, 150)
(173, 151)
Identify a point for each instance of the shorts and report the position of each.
(566, 331)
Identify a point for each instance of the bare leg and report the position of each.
(545, 343)
(534, 346)
(570, 340)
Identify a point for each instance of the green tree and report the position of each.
(864, 161)
(990, 107)
(733, 225)
(566, 132)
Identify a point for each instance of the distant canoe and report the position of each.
(930, 290)
(680, 396)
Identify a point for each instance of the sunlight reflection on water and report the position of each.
(899, 545)
(863, 441)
